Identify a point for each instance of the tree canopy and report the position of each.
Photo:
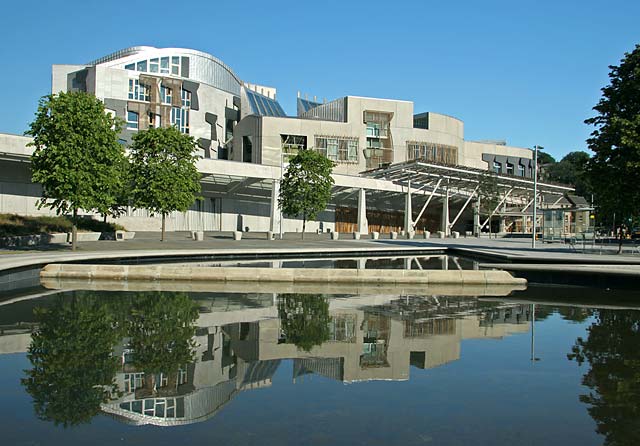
(306, 186)
(614, 170)
(163, 171)
(77, 158)
(571, 170)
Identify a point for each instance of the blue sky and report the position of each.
(527, 72)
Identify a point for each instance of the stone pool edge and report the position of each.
(291, 275)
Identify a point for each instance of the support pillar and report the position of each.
(477, 230)
(363, 224)
(503, 225)
(408, 211)
(445, 225)
(275, 220)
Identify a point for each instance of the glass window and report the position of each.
(497, 167)
(138, 91)
(332, 149)
(180, 119)
(130, 66)
(155, 121)
(153, 65)
(520, 170)
(373, 129)
(352, 150)
(142, 66)
(165, 95)
(186, 98)
(132, 120)
(509, 169)
(164, 65)
(175, 65)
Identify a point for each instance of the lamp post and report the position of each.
(535, 195)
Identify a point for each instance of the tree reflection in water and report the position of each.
(72, 351)
(161, 329)
(304, 319)
(73, 365)
(612, 349)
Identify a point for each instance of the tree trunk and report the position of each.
(163, 226)
(304, 224)
(74, 230)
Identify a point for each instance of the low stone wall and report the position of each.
(291, 275)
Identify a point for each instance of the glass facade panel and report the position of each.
(153, 65)
(142, 66)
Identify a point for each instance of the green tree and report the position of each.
(304, 319)
(489, 194)
(571, 170)
(77, 157)
(163, 171)
(306, 186)
(161, 329)
(73, 367)
(611, 350)
(614, 169)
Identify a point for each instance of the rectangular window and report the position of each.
(520, 170)
(509, 169)
(432, 152)
(138, 91)
(332, 149)
(497, 167)
(175, 65)
(352, 150)
(186, 98)
(291, 145)
(153, 65)
(180, 119)
(373, 129)
(132, 120)
(142, 66)
(336, 148)
(155, 121)
(130, 66)
(165, 95)
(164, 65)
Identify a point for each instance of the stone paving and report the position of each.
(180, 245)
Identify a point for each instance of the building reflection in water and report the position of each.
(365, 338)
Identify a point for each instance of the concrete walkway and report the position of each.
(216, 246)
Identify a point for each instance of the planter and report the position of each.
(427, 234)
(356, 236)
(375, 235)
(441, 234)
(335, 235)
(455, 234)
(86, 236)
(393, 235)
(410, 235)
(237, 235)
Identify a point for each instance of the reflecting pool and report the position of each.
(152, 367)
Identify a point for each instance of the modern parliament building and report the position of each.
(395, 169)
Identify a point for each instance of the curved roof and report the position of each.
(203, 67)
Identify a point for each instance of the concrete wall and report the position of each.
(473, 152)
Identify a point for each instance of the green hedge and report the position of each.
(12, 224)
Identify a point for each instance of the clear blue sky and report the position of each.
(527, 72)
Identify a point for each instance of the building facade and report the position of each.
(245, 140)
